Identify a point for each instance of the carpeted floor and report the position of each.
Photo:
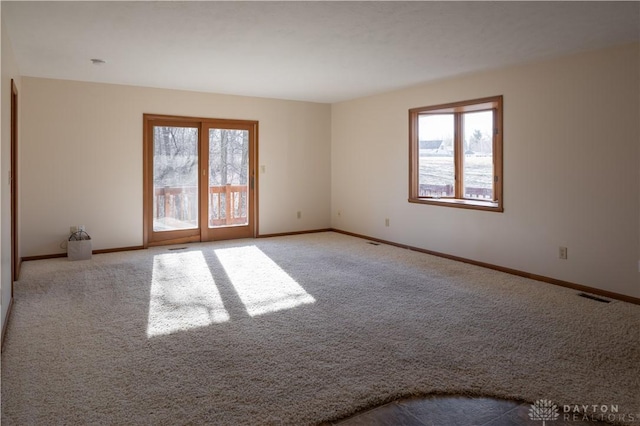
(298, 330)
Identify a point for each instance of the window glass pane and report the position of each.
(436, 162)
(175, 178)
(228, 177)
(478, 155)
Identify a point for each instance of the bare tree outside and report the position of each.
(228, 168)
(228, 157)
(175, 178)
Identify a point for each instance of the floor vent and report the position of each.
(597, 299)
(372, 243)
(177, 248)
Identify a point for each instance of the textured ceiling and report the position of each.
(313, 51)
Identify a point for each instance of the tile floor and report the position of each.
(453, 411)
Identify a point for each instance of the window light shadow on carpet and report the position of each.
(184, 294)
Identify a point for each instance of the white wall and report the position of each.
(571, 138)
(570, 149)
(9, 71)
(81, 159)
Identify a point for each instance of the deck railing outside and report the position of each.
(443, 190)
(227, 204)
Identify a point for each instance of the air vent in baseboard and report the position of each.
(372, 243)
(597, 299)
(177, 248)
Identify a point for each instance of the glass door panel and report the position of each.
(175, 178)
(228, 192)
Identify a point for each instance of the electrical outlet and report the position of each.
(386, 222)
(299, 214)
(562, 253)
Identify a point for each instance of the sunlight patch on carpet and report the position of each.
(183, 294)
(260, 283)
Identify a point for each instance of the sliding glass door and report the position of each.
(199, 179)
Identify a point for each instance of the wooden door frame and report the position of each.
(231, 232)
(152, 238)
(149, 120)
(15, 258)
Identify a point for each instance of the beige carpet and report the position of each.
(298, 330)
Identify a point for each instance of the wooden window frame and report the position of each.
(458, 108)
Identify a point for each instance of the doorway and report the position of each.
(15, 258)
(199, 179)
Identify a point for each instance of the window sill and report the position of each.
(491, 206)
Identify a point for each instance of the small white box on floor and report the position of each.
(79, 250)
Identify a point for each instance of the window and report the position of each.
(455, 154)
